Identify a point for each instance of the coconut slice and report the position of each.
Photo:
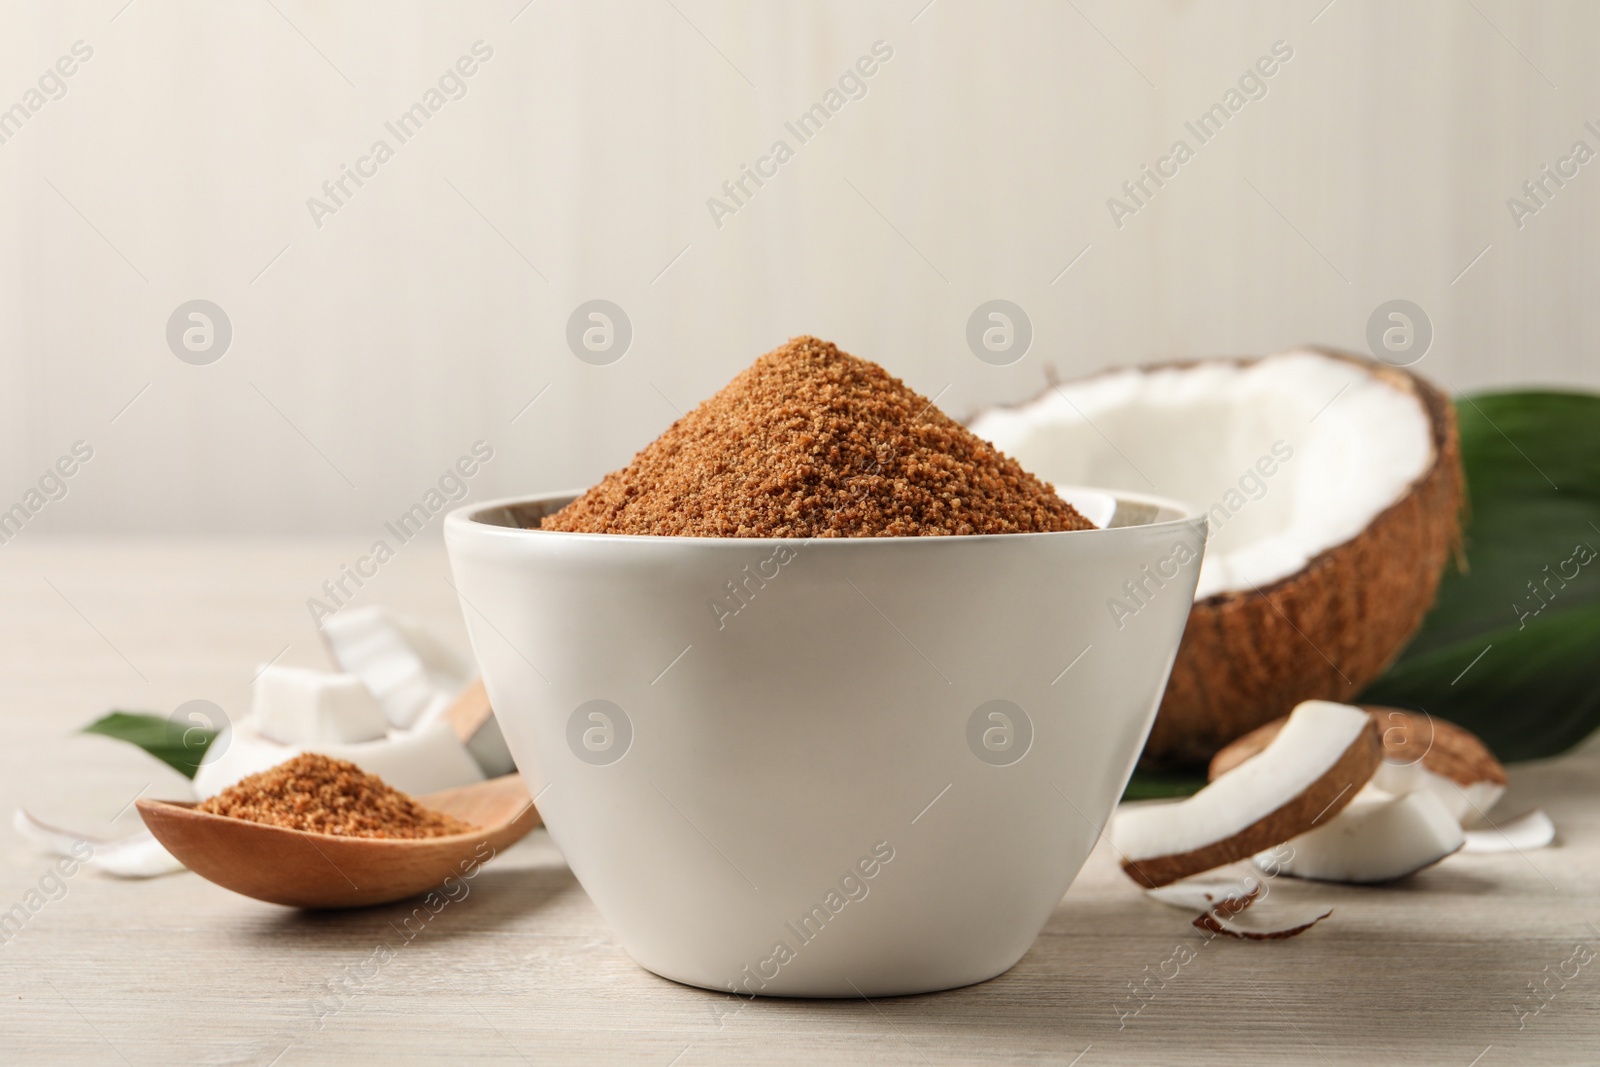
(1320, 759)
(1332, 485)
(1531, 831)
(1419, 753)
(1379, 837)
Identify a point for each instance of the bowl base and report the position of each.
(841, 987)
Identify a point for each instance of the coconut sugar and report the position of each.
(810, 441)
(330, 796)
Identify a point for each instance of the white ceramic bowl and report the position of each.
(877, 776)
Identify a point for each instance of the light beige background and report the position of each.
(371, 352)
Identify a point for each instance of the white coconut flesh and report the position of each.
(1229, 895)
(1292, 782)
(1524, 834)
(411, 673)
(1467, 802)
(1222, 903)
(1379, 837)
(423, 760)
(1420, 754)
(1254, 926)
(1290, 455)
(394, 714)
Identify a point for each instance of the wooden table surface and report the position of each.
(522, 970)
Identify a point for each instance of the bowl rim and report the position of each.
(467, 521)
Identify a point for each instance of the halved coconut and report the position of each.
(1332, 484)
(1316, 765)
(1379, 837)
(1419, 753)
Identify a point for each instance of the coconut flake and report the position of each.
(1469, 803)
(1523, 834)
(138, 855)
(1222, 903)
(1255, 926)
(1231, 895)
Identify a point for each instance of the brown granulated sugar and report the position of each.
(810, 441)
(330, 796)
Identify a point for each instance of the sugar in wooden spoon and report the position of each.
(318, 833)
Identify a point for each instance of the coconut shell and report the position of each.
(1324, 633)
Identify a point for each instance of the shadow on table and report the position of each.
(1354, 991)
(495, 898)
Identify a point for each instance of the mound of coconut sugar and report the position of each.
(323, 795)
(810, 441)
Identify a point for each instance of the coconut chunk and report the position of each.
(296, 706)
(1315, 765)
(1379, 837)
(424, 760)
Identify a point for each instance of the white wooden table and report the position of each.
(175, 970)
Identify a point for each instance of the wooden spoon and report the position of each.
(306, 870)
